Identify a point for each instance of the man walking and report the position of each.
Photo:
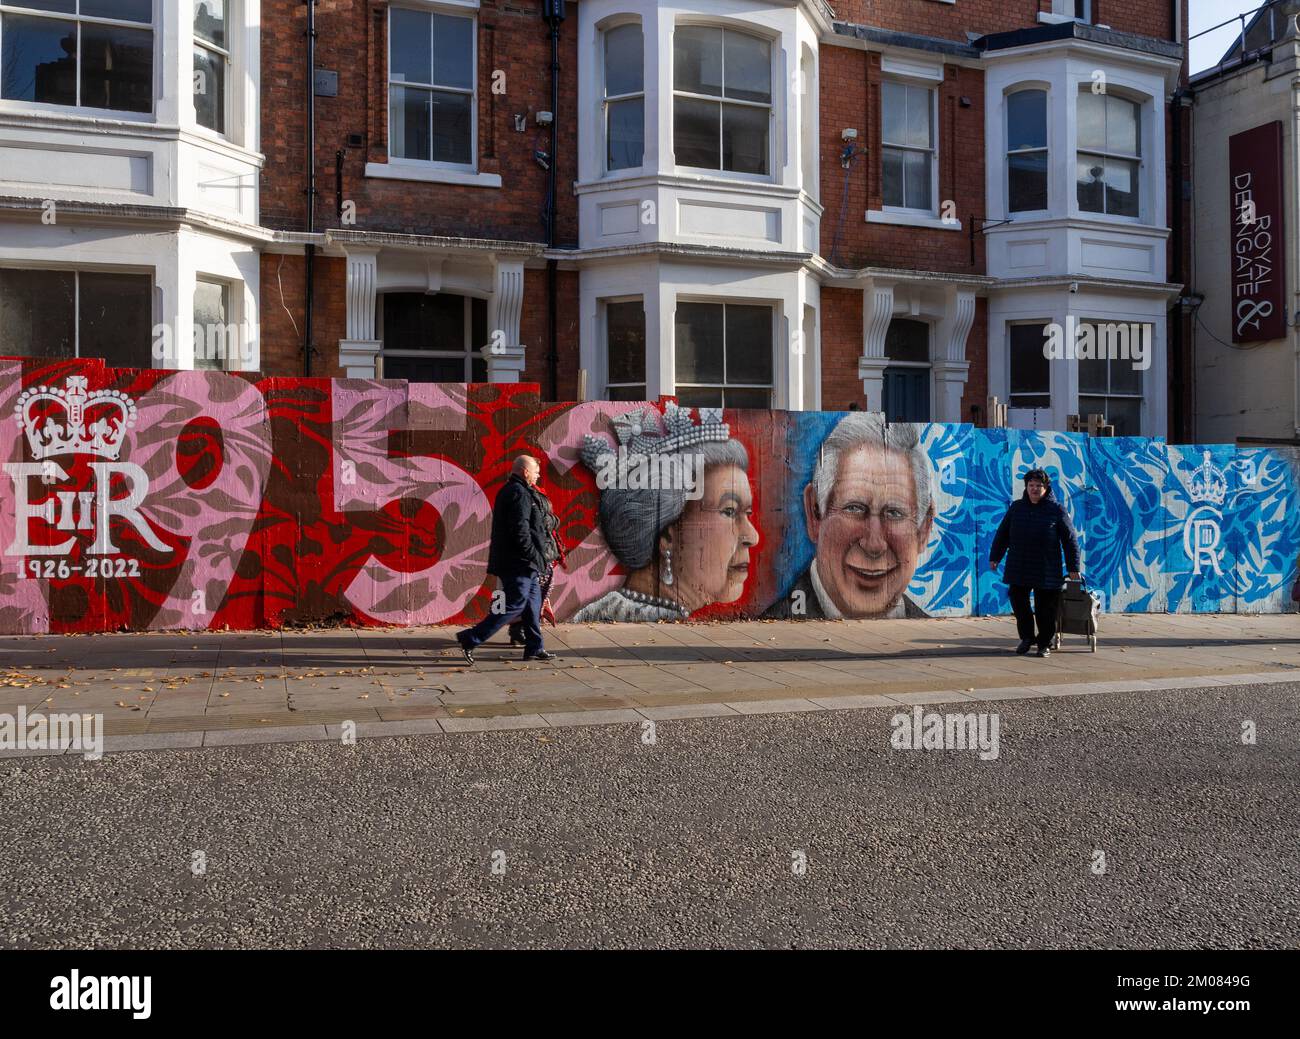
(1033, 535)
(518, 556)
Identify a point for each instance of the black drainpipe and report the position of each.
(311, 185)
(553, 12)
(1174, 319)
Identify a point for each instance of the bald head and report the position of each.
(527, 467)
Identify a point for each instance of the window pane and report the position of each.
(413, 321)
(38, 60)
(1092, 373)
(1124, 377)
(626, 134)
(699, 397)
(212, 345)
(699, 342)
(116, 315)
(209, 20)
(1090, 177)
(37, 313)
(625, 334)
(1121, 187)
(916, 180)
(744, 138)
(695, 133)
(425, 369)
(452, 127)
(1027, 119)
(907, 340)
(919, 132)
(1124, 415)
(453, 51)
(478, 370)
(1122, 122)
(697, 59)
(749, 344)
(748, 67)
(624, 50)
(625, 392)
(1029, 371)
(1092, 120)
(411, 110)
(745, 398)
(891, 168)
(1027, 181)
(122, 10)
(410, 53)
(59, 6)
(116, 68)
(210, 89)
(893, 112)
(478, 330)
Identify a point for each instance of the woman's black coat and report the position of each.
(1033, 537)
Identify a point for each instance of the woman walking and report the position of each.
(1032, 535)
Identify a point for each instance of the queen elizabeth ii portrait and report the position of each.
(676, 510)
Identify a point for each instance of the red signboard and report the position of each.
(1258, 261)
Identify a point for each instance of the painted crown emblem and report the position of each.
(1208, 484)
(74, 421)
(641, 433)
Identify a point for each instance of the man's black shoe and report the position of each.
(1023, 648)
(465, 650)
(1043, 651)
(541, 655)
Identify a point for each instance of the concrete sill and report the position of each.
(393, 171)
(877, 216)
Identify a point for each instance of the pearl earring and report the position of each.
(668, 566)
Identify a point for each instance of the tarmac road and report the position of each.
(605, 840)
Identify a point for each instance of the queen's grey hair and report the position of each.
(868, 428)
(632, 519)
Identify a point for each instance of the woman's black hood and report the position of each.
(1044, 479)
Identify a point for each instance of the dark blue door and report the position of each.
(907, 394)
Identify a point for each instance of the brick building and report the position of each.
(875, 203)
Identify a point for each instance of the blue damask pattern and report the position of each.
(1178, 528)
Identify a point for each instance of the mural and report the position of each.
(137, 500)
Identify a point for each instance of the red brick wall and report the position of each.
(352, 40)
(953, 21)
(850, 91)
(284, 287)
(534, 333)
(841, 348)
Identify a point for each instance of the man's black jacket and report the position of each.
(518, 532)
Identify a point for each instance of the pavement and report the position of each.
(1114, 820)
(187, 689)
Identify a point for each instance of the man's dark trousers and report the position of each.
(524, 603)
(1044, 608)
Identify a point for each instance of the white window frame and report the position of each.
(933, 89)
(604, 344)
(231, 305)
(77, 270)
(451, 11)
(607, 99)
(1051, 396)
(226, 54)
(771, 387)
(1009, 152)
(1143, 119)
(774, 49)
(154, 28)
(470, 353)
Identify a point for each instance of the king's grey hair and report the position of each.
(868, 428)
(632, 520)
